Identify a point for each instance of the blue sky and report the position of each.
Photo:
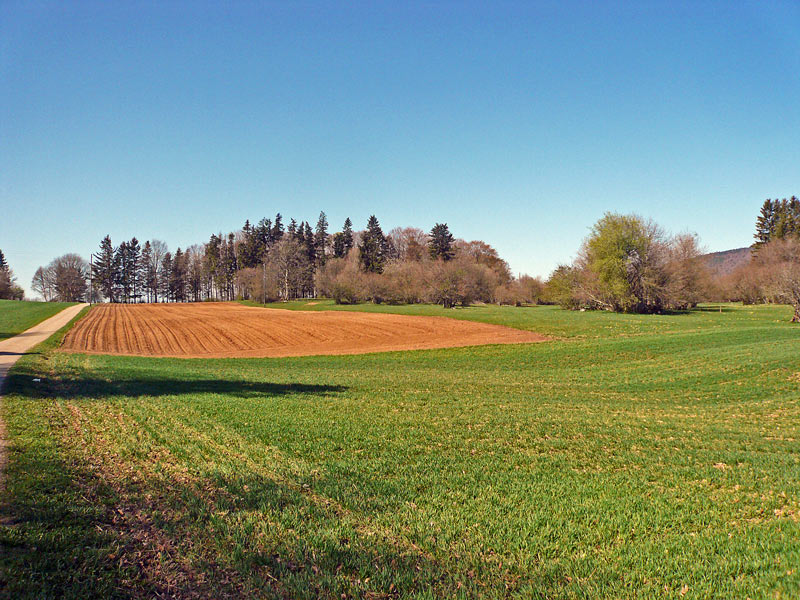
(516, 123)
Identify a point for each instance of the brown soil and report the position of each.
(227, 330)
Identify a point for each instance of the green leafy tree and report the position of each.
(622, 256)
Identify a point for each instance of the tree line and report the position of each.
(626, 264)
(272, 261)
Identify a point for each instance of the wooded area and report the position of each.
(271, 262)
(626, 264)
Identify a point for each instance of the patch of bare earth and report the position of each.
(230, 330)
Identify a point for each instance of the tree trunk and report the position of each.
(796, 315)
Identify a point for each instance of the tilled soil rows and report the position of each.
(228, 330)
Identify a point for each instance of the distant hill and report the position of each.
(727, 261)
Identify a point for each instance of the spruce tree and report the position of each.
(347, 232)
(277, 228)
(321, 238)
(338, 245)
(782, 224)
(793, 216)
(123, 275)
(166, 281)
(372, 250)
(144, 270)
(310, 242)
(441, 242)
(134, 267)
(211, 263)
(765, 224)
(247, 256)
(104, 270)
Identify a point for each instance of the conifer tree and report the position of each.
(338, 245)
(123, 279)
(134, 267)
(310, 242)
(211, 264)
(347, 233)
(372, 250)
(441, 242)
(321, 238)
(144, 270)
(166, 281)
(177, 277)
(247, 256)
(277, 228)
(104, 270)
(264, 239)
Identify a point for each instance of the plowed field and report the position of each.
(226, 330)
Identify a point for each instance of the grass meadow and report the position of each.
(631, 457)
(16, 316)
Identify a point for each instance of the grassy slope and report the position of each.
(643, 457)
(16, 317)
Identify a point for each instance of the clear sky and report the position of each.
(516, 123)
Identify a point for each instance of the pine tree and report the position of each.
(793, 216)
(104, 271)
(782, 224)
(277, 228)
(372, 250)
(321, 238)
(134, 266)
(765, 224)
(3, 263)
(264, 239)
(338, 245)
(165, 281)
(230, 265)
(144, 270)
(211, 264)
(347, 233)
(177, 277)
(247, 255)
(123, 279)
(441, 242)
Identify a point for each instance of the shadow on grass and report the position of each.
(25, 384)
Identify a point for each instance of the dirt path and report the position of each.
(229, 330)
(10, 352)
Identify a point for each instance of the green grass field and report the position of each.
(634, 457)
(16, 317)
